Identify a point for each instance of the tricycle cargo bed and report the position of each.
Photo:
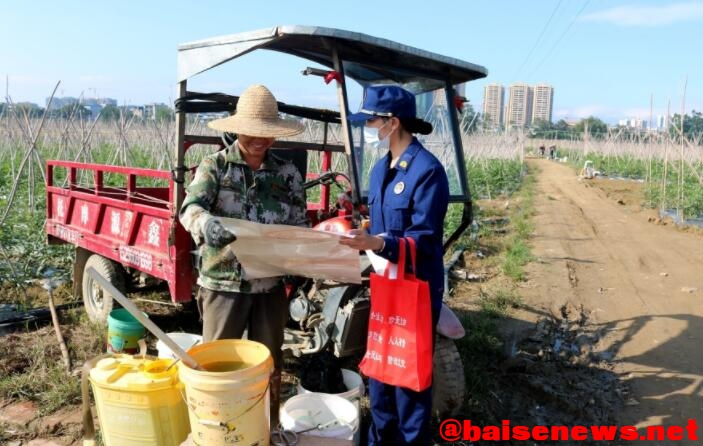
(134, 226)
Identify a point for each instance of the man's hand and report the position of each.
(217, 235)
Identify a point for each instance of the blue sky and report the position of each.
(605, 58)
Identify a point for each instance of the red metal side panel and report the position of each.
(85, 215)
(114, 223)
(134, 227)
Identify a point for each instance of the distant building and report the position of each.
(439, 98)
(150, 109)
(424, 104)
(662, 122)
(207, 117)
(543, 98)
(430, 102)
(633, 123)
(56, 103)
(525, 105)
(94, 105)
(520, 99)
(97, 104)
(135, 110)
(493, 104)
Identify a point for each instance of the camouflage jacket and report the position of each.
(225, 186)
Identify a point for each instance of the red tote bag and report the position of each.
(399, 344)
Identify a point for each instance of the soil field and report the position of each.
(637, 280)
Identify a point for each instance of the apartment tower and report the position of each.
(493, 103)
(519, 106)
(429, 102)
(543, 97)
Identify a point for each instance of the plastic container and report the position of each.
(184, 341)
(352, 381)
(139, 402)
(228, 403)
(123, 332)
(337, 417)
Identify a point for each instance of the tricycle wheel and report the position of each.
(448, 382)
(98, 302)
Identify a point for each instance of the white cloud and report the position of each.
(648, 15)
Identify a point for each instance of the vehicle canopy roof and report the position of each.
(367, 59)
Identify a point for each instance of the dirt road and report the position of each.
(642, 283)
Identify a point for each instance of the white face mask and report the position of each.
(372, 137)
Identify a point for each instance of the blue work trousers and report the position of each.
(399, 416)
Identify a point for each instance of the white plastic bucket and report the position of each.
(337, 416)
(230, 406)
(352, 381)
(184, 341)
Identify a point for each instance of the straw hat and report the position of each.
(257, 115)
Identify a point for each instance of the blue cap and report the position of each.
(388, 101)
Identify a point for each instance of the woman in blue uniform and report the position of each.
(408, 197)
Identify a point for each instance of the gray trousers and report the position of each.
(226, 315)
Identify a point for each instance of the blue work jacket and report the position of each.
(410, 200)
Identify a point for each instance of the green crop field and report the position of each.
(26, 145)
(672, 171)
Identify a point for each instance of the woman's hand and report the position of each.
(360, 240)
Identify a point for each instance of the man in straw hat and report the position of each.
(244, 181)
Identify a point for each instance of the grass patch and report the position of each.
(44, 380)
(517, 251)
(517, 255)
(479, 350)
(487, 179)
(499, 303)
(491, 178)
(482, 349)
(507, 252)
(35, 371)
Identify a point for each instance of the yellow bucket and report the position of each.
(139, 402)
(228, 403)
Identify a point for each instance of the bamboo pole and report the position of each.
(680, 204)
(649, 145)
(49, 285)
(26, 157)
(662, 205)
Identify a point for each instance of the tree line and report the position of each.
(77, 111)
(692, 129)
(469, 121)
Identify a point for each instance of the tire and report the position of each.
(448, 381)
(98, 302)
